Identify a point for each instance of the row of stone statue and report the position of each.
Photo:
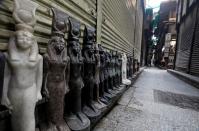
(79, 84)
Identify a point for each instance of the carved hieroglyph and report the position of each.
(23, 69)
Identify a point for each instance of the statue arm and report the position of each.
(7, 75)
(39, 78)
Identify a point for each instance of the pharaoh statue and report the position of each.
(120, 67)
(74, 117)
(128, 67)
(125, 81)
(117, 68)
(98, 104)
(131, 67)
(111, 73)
(23, 69)
(102, 74)
(114, 57)
(2, 66)
(56, 74)
(89, 70)
(107, 92)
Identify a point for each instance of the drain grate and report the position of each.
(180, 100)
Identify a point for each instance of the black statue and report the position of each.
(97, 102)
(111, 73)
(131, 67)
(114, 66)
(120, 67)
(74, 117)
(2, 66)
(117, 68)
(127, 67)
(108, 91)
(56, 74)
(89, 71)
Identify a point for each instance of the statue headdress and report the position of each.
(74, 30)
(89, 37)
(60, 22)
(24, 16)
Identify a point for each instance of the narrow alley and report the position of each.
(99, 65)
(158, 101)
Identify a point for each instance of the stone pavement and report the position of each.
(158, 101)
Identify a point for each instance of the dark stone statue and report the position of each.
(120, 67)
(2, 66)
(127, 67)
(108, 93)
(74, 117)
(56, 74)
(131, 67)
(98, 104)
(117, 68)
(111, 71)
(89, 71)
(114, 68)
(102, 75)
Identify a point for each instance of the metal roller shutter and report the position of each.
(194, 69)
(118, 25)
(185, 42)
(84, 11)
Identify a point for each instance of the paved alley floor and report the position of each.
(158, 101)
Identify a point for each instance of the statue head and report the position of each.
(101, 50)
(23, 39)
(89, 40)
(96, 48)
(57, 44)
(73, 36)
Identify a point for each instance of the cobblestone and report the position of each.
(139, 110)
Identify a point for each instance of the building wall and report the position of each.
(117, 22)
(187, 57)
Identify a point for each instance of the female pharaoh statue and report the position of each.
(56, 74)
(74, 117)
(23, 69)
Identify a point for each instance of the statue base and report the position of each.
(100, 105)
(126, 82)
(61, 126)
(105, 100)
(78, 122)
(91, 112)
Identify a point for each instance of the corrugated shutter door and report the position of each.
(185, 41)
(195, 55)
(118, 25)
(84, 11)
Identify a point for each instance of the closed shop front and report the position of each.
(118, 22)
(194, 68)
(186, 32)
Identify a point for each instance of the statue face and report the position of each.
(76, 48)
(91, 50)
(58, 44)
(24, 39)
